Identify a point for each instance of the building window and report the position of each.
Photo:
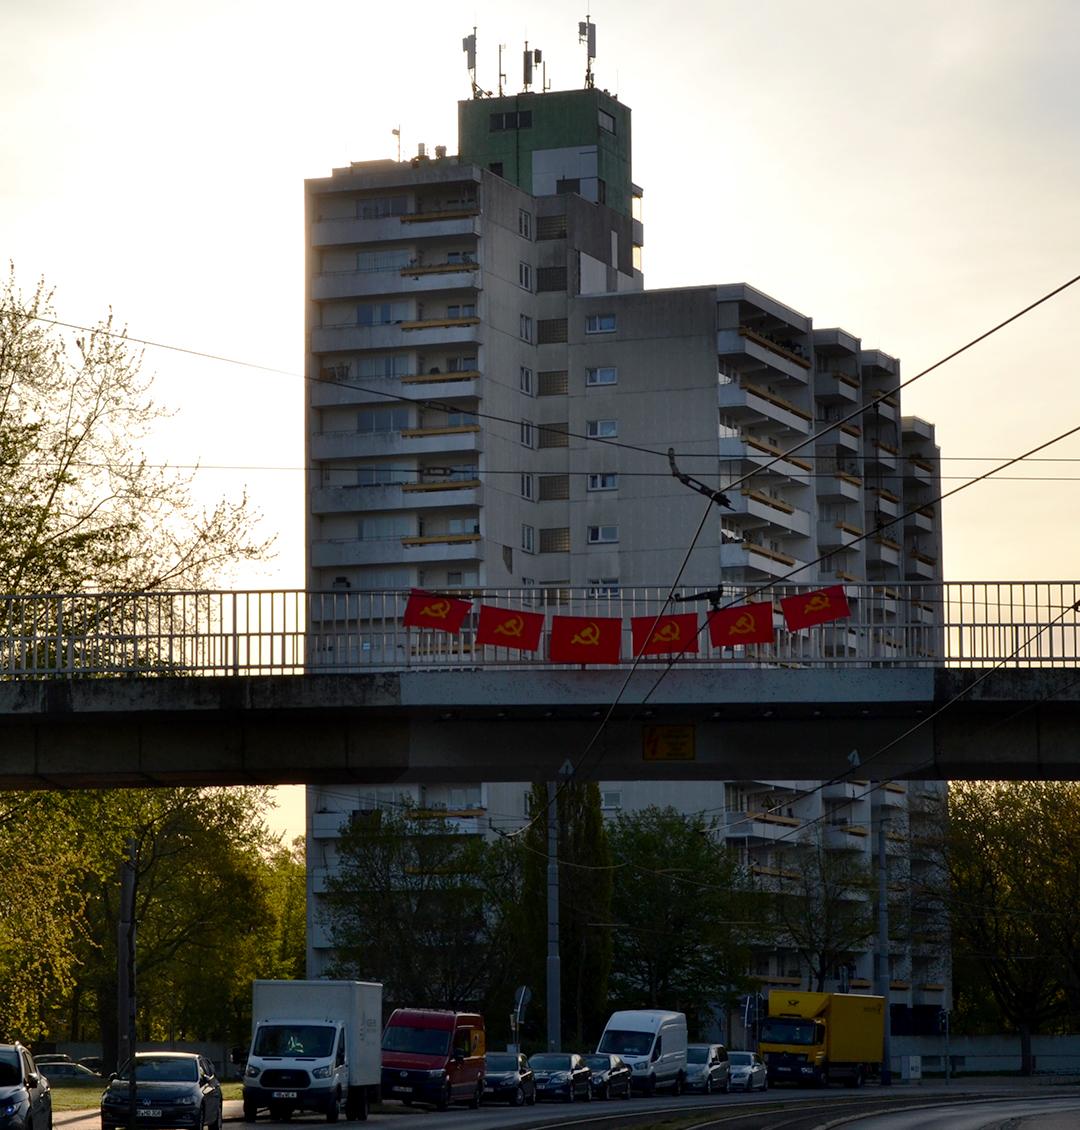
(382, 365)
(461, 364)
(527, 542)
(381, 476)
(553, 435)
(377, 207)
(368, 262)
(553, 382)
(606, 480)
(525, 434)
(550, 278)
(526, 486)
(460, 419)
(601, 429)
(524, 276)
(554, 488)
(552, 331)
(384, 527)
(514, 119)
(602, 375)
(605, 120)
(551, 227)
(524, 224)
(600, 324)
(381, 313)
(525, 328)
(379, 421)
(603, 535)
(555, 539)
(462, 310)
(599, 587)
(525, 380)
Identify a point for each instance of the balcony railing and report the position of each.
(954, 624)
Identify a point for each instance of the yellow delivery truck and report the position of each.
(816, 1038)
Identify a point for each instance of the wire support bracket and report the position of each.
(717, 496)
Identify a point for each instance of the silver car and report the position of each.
(707, 1068)
(747, 1072)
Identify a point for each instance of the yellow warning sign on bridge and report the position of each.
(667, 743)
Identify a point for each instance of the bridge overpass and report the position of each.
(241, 688)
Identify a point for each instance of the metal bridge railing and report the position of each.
(79, 635)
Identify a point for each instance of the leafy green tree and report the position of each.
(681, 910)
(1013, 857)
(413, 904)
(585, 886)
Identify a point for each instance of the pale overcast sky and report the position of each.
(907, 171)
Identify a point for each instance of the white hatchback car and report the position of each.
(747, 1072)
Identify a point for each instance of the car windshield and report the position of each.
(419, 1041)
(621, 1042)
(315, 1041)
(10, 1071)
(501, 1062)
(598, 1062)
(549, 1062)
(739, 1059)
(781, 1030)
(696, 1054)
(154, 1069)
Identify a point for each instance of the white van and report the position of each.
(653, 1043)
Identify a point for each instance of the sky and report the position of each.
(907, 171)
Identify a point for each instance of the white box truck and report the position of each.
(314, 1046)
(653, 1043)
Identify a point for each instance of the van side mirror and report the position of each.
(459, 1055)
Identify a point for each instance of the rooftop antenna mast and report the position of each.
(587, 34)
(468, 45)
(529, 59)
(502, 77)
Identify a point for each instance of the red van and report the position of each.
(433, 1056)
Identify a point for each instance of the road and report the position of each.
(989, 1105)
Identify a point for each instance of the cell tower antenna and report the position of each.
(587, 34)
(502, 77)
(468, 45)
(530, 58)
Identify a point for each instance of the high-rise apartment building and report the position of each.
(493, 395)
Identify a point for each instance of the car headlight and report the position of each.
(436, 1074)
(252, 1072)
(323, 1072)
(640, 1067)
(113, 1097)
(9, 1108)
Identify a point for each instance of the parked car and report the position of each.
(747, 1072)
(610, 1076)
(508, 1078)
(175, 1089)
(25, 1098)
(707, 1068)
(561, 1075)
(51, 1057)
(69, 1073)
(94, 1062)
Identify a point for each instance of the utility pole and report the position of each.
(125, 977)
(554, 972)
(883, 949)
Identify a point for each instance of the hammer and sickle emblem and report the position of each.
(743, 626)
(669, 633)
(514, 627)
(589, 636)
(817, 603)
(439, 610)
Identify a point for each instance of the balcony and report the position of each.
(890, 796)
(758, 558)
(416, 441)
(886, 503)
(837, 535)
(745, 344)
(883, 551)
(410, 280)
(847, 437)
(888, 408)
(836, 388)
(920, 566)
(762, 405)
(847, 837)
(923, 520)
(921, 470)
(763, 826)
(402, 496)
(392, 551)
(882, 455)
(762, 455)
(773, 511)
(430, 225)
(840, 486)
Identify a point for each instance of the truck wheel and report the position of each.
(443, 1101)
(356, 1104)
(477, 1095)
(251, 1111)
(678, 1088)
(650, 1086)
(333, 1112)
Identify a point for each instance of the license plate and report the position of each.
(148, 1113)
(284, 1095)
(402, 1090)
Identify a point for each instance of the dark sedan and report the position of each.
(610, 1075)
(175, 1089)
(508, 1078)
(561, 1075)
(25, 1098)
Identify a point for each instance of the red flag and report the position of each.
(503, 628)
(426, 610)
(810, 608)
(743, 624)
(672, 634)
(585, 639)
